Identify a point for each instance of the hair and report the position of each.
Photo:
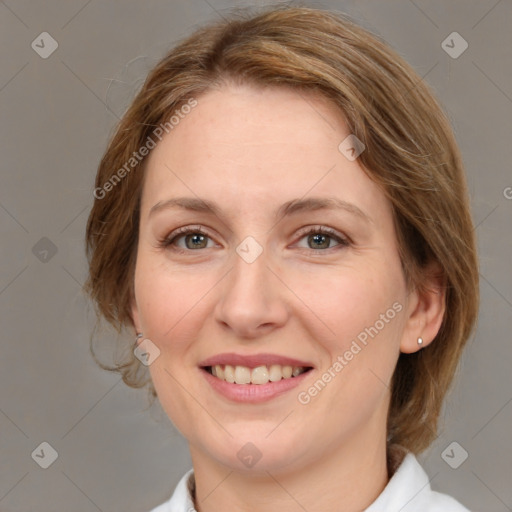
(411, 153)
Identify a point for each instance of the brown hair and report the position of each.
(410, 152)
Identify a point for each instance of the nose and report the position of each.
(252, 299)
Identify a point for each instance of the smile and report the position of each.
(253, 378)
(259, 375)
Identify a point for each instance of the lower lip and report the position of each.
(253, 393)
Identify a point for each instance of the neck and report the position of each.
(348, 477)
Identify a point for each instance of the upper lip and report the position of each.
(254, 360)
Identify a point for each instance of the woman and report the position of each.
(282, 219)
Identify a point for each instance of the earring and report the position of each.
(139, 336)
(420, 341)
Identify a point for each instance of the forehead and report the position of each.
(248, 146)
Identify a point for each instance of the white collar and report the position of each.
(407, 491)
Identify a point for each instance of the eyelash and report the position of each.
(342, 241)
(169, 240)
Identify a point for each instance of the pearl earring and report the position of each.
(420, 341)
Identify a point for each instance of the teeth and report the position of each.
(229, 373)
(218, 371)
(296, 372)
(242, 375)
(258, 375)
(275, 373)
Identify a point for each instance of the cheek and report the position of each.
(350, 302)
(360, 348)
(171, 311)
(169, 301)
(365, 319)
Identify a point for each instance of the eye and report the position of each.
(322, 238)
(192, 238)
(187, 239)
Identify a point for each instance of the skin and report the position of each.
(250, 150)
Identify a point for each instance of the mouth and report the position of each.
(259, 375)
(253, 378)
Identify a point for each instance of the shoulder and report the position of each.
(409, 490)
(182, 497)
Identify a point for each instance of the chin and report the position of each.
(257, 453)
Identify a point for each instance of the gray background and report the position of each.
(56, 116)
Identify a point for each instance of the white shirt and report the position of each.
(408, 490)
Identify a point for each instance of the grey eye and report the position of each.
(319, 241)
(195, 241)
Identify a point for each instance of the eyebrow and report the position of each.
(321, 203)
(289, 208)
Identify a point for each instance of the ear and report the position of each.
(426, 308)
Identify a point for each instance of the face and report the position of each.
(265, 251)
